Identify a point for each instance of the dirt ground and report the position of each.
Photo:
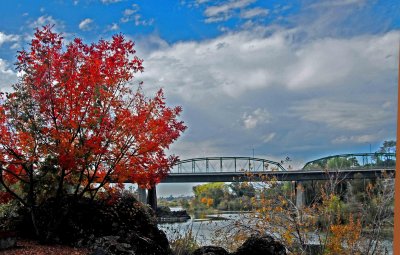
(28, 247)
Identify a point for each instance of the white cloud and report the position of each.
(217, 18)
(141, 22)
(15, 46)
(128, 12)
(145, 45)
(356, 139)
(4, 38)
(86, 24)
(132, 14)
(323, 94)
(229, 64)
(46, 20)
(327, 88)
(202, 1)
(110, 1)
(188, 149)
(226, 7)
(267, 138)
(7, 76)
(343, 115)
(257, 117)
(113, 27)
(229, 9)
(358, 60)
(254, 12)
(337, 3)
(245, 61)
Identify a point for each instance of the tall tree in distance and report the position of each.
(73, 125)
(388, 146)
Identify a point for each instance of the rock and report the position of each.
(111, 245)
(261, 245)
(119, 226)
(145, 245)
(6, 243)
(7, 240)
(210, 250)
(99, 251)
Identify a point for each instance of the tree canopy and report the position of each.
(73, 124)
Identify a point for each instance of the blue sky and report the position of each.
(302, 79)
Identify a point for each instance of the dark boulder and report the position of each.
(118, 226)
(130, 244)
(261, 245)
(111, 245)
(7, 240)
(210, 250)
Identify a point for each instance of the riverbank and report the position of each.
(164, 214)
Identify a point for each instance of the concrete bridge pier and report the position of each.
(300, 197)
(149, 197)
(142, 196)
(152, 197)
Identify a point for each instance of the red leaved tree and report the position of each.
(72, 124)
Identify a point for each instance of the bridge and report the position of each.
(228, 169)
(355, 160)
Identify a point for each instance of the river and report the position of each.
(204, 229)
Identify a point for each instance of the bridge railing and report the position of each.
(353, 161)
(226, 164)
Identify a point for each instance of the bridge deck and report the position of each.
(297, 175)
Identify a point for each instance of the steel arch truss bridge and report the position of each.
(225, 165)
(353, 161)
(227, 169)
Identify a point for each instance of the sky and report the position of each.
(298, 79)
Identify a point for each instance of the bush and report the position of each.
(8, 214)
(184, 244)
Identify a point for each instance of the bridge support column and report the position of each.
(142, 196)
(152, 197)
(300, 197)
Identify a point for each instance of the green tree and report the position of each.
(215, 191)
(388, 147)
(240, 189)
(339, 162)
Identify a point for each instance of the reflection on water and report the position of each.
(202, 228)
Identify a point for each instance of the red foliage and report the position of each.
(74, 115)
(5, 197)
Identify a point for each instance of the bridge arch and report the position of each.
(360, 160)
(225, 164)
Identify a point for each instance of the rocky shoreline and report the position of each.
(125, 227)
(165, 215)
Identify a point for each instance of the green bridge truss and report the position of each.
(225, 164)
(353, 160)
